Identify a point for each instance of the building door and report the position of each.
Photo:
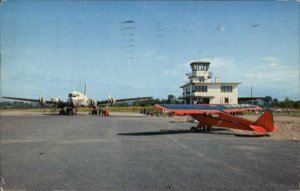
(205, 100)
(187, 101)
(226, 100)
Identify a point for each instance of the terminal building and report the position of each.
(201, 89)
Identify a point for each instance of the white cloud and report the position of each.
(266, 74)
(178, 70)
(271, 61)
(154, 55)
(270, 75)
(219, 66)
(221, 63)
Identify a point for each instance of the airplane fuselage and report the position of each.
(79, 100)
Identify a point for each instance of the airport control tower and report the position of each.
(200, 72)
(201, 90)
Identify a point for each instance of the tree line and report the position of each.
(267, 102)
(286, 103)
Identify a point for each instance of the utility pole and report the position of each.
(251, 96)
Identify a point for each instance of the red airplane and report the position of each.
(223, 116)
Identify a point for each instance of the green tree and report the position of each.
(149, 102)
(268, 101)
(287, 103)
(171, 99)
(275, 103)
(297, 104)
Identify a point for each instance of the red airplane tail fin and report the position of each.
(266, 121)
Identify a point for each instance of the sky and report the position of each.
(143, 48)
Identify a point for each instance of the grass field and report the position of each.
(112, 109)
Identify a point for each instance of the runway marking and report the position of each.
(201, 155)
(185, 147)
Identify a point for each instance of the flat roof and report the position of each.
(185, 97)
(249, 98)
(200, 62)
(201, 83)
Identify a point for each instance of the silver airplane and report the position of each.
(75, 100)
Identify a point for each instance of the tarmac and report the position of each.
(135, 152)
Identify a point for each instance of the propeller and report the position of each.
(54, 103)
(111, 100)
(54, 99)
(93, 102)
(41, 101)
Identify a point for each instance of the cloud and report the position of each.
(220, 62)
(269, 75)
(266, 74)
(271, 61)
(219, 66)
(179, 70)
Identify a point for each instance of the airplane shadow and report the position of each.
(219, 131)
(152, 133)
(137, 116)
(168, 132)
(223, 131)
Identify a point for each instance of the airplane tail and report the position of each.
(85, 89)
(266, 121)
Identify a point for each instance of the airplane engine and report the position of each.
(93, 102)
(42, 101)
(54, 99)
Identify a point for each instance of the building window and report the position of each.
(226, 100)
(187, 90)
(226, 88)
(200, 88)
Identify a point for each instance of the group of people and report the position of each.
(146, 112)
(103, 112)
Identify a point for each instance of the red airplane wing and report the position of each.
(205, 108)
(187, 109)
